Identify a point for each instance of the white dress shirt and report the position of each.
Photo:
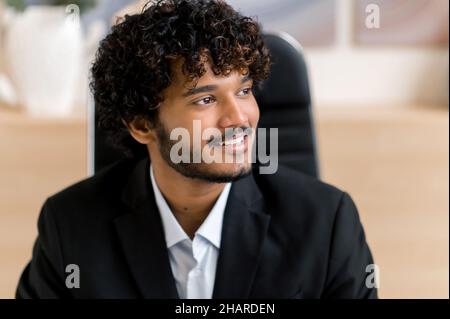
(193, 262)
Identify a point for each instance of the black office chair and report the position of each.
(284, 101)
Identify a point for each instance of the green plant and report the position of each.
(19, 5)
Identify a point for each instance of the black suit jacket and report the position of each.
(285, 235)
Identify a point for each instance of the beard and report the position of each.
(200, 171)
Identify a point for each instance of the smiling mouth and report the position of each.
(236, 140)
(236, 145)
(233, 141)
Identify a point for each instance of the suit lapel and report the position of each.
(244, 229)
(142, 237)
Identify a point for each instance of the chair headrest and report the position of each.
(288, 80)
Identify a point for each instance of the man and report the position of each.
(161, 227)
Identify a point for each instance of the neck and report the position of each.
(190, 199)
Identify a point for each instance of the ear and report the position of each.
(140, 130)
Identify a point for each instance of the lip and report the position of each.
(236, 148)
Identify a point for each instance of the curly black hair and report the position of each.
(133, 63)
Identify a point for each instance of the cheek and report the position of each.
(176, 117)
(253, 114)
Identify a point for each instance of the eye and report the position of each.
(205, 101)
(245, 91)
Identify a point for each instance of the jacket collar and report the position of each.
(141, 235)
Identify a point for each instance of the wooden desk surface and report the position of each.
(393, 161)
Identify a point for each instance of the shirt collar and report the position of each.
(211, 228)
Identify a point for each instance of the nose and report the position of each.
(233, 115)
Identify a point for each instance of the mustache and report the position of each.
(229, 134)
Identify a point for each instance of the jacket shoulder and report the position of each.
(288, 183)
(295, 194)
(96, 192)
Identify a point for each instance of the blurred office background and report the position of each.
(379, 80)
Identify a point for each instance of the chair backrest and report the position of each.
(284, 102)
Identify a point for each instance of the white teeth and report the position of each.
(234, 141)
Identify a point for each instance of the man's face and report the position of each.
(220, 102)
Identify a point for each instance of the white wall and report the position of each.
(346, 74)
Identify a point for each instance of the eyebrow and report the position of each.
(209, 88)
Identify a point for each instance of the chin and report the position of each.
(229, 172)
(214, 173)
(231, 169)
